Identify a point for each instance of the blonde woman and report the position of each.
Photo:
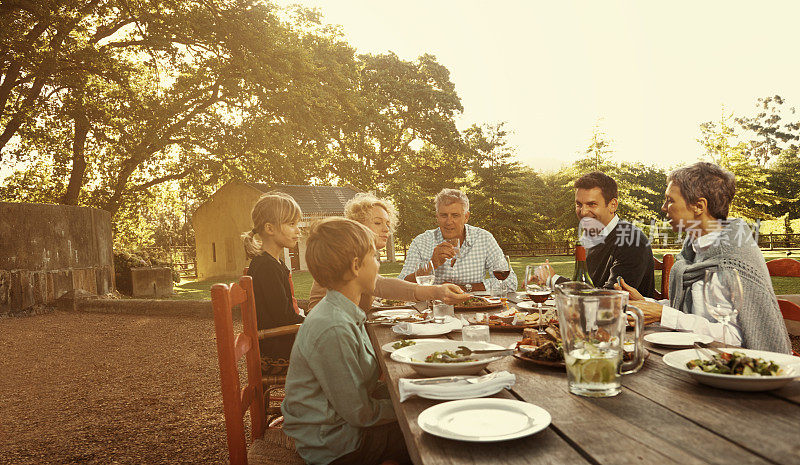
(275, 227)
(380, 217)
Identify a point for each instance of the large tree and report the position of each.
(400, 106)
(753, 198)
(770, 132)
(202, 90)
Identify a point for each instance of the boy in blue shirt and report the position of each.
(329, 407)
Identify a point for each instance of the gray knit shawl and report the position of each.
(759, 317)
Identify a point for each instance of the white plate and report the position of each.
(483, 420)
(415, 356)
(389, 349)
(677, 360)
(428, 329)
(677, 339)
(480, 293)
(397, 313)
(528, 305)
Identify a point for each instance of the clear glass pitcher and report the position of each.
(593, 323)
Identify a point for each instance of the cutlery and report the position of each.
(467, 351)
(450, 379)
(708, 353)
(442, 379)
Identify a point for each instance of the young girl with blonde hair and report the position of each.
(275, 227)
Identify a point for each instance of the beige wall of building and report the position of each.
(218, 225)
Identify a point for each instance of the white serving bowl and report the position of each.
(415, 356)
(791, 364)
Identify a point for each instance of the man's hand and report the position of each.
(442, 252)
(651, 311)
(633, 294)
(450, 293)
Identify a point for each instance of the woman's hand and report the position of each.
(650, 310)
(451, 294)
(633, 294)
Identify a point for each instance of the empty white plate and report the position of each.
(483, 420)
(677, 339)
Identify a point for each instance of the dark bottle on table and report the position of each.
(581, 271)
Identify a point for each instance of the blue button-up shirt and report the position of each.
(332, 372)
(478, 255)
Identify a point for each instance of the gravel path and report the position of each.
(97, 388)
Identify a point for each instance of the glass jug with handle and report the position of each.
(593, 323)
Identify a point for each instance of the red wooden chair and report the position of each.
(788, 268)
(268, 445)
(665, 266)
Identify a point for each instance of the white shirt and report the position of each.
(700, 321)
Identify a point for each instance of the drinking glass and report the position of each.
(475, 333)
(424, 275)
(441, 310)
(722, 290)
(536, 292)
(456, 243)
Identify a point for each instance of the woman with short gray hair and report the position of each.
(697, 202)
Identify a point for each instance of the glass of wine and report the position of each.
(722, 290)
(537, 293)
(502, 270)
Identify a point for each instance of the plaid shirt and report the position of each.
(478, 254)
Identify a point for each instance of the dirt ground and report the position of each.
(97, 388)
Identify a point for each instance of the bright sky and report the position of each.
(648, 72)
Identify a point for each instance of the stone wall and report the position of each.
(47, 251)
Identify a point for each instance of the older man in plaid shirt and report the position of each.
(466, 266)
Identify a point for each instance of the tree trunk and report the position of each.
(76, 177)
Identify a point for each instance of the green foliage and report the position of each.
(771, 134)
(753, 198)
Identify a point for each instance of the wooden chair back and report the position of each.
(665, 265)
(235, 399)
(786, 267)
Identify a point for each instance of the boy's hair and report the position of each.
(332, 245)
(359, 208)
(605, 182)
(275, 208)
(706, 180)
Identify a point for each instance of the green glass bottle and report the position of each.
(581, 271)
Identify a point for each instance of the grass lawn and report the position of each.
(564, 265)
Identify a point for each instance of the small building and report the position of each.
(220, 221)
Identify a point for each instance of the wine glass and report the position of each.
(502, 270)
(536, 292)
(456, 243)
(722, 291)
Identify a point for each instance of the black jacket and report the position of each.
(274, 305)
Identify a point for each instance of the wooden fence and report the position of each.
(182, 258)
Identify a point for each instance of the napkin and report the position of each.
(427, 329)
(461, 388)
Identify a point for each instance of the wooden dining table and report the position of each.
(661, 416)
